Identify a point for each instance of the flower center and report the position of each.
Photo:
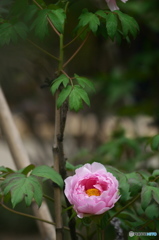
(93, 192)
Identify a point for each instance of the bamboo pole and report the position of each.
(21, 160)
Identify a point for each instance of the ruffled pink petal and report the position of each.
(91, 208)
(87, 177)
(97, 167)
(82, 171)
(112, 5)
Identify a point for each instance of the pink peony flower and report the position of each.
(92, 190)
(112, 4)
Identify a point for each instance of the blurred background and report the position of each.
(124, 111)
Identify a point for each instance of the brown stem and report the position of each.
(25, 214)
(74, 39)
(51, 24)
(37, 4)
(57, 191)
(35, 218)
(59, 165)
(123, 208)
(75, 53)
(67, 77)
(42, 50)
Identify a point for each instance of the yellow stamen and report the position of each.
(93, 192)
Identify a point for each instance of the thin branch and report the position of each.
(49, 198)
(42, 50)
(156, 179)
(74, 39)
(67, 76)
(37, 4)
(75, 53)
(51, 24)
(59, 158)
(123, 208)
(35, 218)
(25, 214)
(57, 191)
(52, 200)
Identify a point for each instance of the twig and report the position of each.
(25, 214)
(74, 39)
(35, 218)
(75, 53)
(57, 191)
(123, 208)
(42, 50)
(37, 4)
(51, 24)
(67, 77)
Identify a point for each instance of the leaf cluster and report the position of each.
(24, 18)
(26, 184)
(116, 25)
(75, 93)
(143, 186)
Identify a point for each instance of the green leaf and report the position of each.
(10, 32)
(27, 169)
(90, 19)
(135, 186)
(38, 194)
(30, 12)
(101, 13)
(152, 211)
(155, 173)
(7, 33)
(82, 93)
(130, 216)
(6, 170)
(62, 79)
(19, 7)
(63, 95)
(22, 187)
(124, 188)
(111, 25)
(145, 175)
(48, 173)
(71, 167)
(83, 82)
(21, 29)
(40, 24)
(155, 194)
(155, 143)
(75, 101)
(57, 17)
(136, 182)
(146, 196)
(129, 25)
